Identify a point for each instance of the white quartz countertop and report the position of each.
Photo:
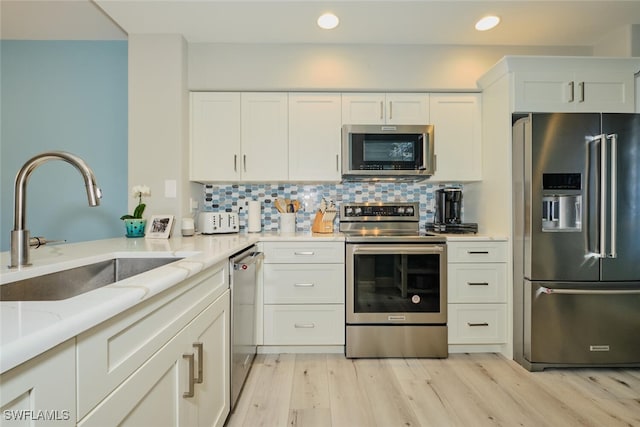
(29, 328)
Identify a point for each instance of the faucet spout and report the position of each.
(20, 234)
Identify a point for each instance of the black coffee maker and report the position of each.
(448, 215)
(448, 206)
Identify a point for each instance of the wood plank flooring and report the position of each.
(464, 390)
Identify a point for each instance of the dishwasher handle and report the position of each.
(245, 261)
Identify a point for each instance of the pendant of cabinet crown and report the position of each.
(385, 108)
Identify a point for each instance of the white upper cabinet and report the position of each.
(569, 84)
(315, 122)
(264, 136)
(385, 108)
(238, 136)
(457, 128)
(215, 136)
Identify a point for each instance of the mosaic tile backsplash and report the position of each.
(235, 197)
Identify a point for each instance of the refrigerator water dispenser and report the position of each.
(562, 212)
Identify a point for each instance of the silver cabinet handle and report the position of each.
(244, 162)
(304, 253)
(192, 380)
(381, 110)
(304, 285)
(571, 91)
(477, 324)
(235, 163)
(478, 283)
(304, 325)
(478, 252)
(581, 86)
(337, 162)
(390, 110)
(198, 346)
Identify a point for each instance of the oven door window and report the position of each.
(396, 283)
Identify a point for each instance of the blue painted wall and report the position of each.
(69, 96)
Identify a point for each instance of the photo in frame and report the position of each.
(159, 227)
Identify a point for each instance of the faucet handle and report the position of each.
(36, 242)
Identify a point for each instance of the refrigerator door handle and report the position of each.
(603, 196)
(594, 246)
(549, 291)
(614, 191)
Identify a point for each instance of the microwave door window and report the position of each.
(388, 151)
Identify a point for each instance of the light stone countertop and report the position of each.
(29, 328)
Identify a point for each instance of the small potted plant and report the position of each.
(135, 224)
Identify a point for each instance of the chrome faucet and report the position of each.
(20, 239)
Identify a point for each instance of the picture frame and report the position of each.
(159, 227)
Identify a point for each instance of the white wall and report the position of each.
(158, 121)
(348, 67)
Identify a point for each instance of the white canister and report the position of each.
(288, 222)
(187, 227)
(253, 218)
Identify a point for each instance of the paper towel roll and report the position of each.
(254, 218)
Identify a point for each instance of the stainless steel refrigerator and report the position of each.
(576, 239)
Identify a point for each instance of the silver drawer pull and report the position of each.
(478, 252)
(304, 325)
(198, 346)
(303, 285)
(477, 324)
(478, 283)
(304, 253)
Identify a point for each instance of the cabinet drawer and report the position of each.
(477, 282)
(304, 324)
(477, 323)
(477, 251)
(303, 252)
(303, 283)
(113, 350)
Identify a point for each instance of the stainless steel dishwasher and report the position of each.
(244, 267)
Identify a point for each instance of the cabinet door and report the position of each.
(363, 108)
(47, 384)
(609, 92)
(215, 136)
(539, 91)
(407, 108)
(211, 328)
(153, 395)
(315, 121)
(458, 147)
(264, 129)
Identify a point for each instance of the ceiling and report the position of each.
(449, 22)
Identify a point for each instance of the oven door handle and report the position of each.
(372, 249)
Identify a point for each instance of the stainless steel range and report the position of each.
(396, 279)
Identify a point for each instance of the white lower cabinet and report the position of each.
(41, 391)
(163, 363)
(303, 293)
(477, 293)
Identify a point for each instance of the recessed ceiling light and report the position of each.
(487, 23)
(328, 21)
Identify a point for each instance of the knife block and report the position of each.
(320, 226)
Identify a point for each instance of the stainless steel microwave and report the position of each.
(387, 152)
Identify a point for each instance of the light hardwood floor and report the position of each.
(463, 390)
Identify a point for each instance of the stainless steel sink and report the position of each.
(75, 281)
